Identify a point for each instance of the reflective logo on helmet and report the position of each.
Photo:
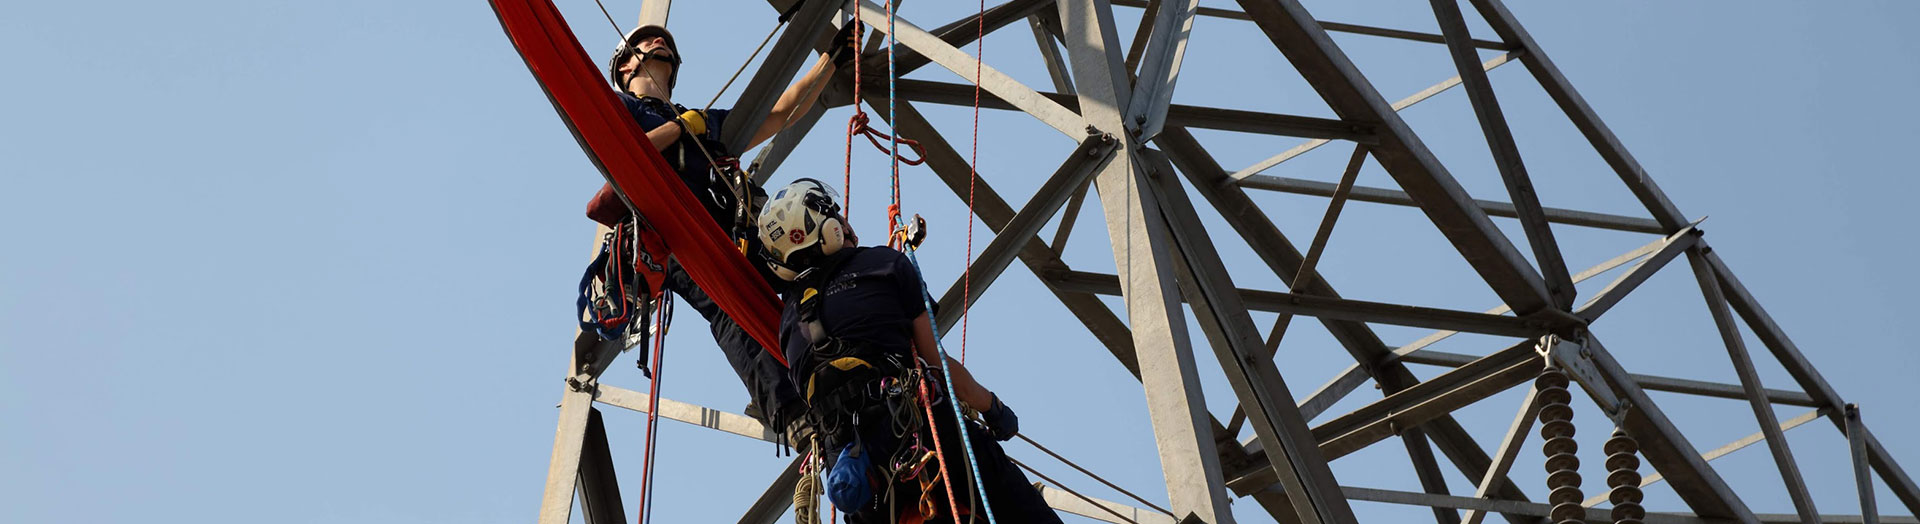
(797, 236)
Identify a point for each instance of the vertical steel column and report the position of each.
(1160, 67)
(563, 469)
(1140, 250)
(654, 12)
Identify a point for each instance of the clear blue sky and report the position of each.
(311, 261)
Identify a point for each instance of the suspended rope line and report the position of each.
(938, 454)
(893, 212)
(857, 120)
(1063, 460)
(953, 397)
(973, 177)
(1070, 491)
(616, 25)
(743, 65)
(663, 316)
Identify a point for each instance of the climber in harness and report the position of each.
(858, 335)
(644, 69)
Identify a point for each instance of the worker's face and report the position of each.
(656, 69)
(655, 45)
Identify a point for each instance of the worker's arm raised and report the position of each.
(798, 97)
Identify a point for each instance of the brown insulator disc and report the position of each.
(1565, 495)
(1556, 446)
(1630, 511)
(1562, 461)
(1565, 477)
(1569, 511)
(1623, 477)
(1622, 461)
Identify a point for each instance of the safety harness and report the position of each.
(623, 285)
(848, 382)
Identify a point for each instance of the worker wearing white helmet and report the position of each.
(854, 324)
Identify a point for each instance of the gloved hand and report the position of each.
(844, 47)
(694, 122)
(1001, 422)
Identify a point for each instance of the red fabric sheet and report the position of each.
(616, 144)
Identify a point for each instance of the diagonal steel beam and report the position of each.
(1303, 473)
(1663, 445)
(1160, 66)
(958, 33)
(809, 25)
(1797, 366)
(773, 502)
(1092, 154)
(1405, 157)
(1503, 22)
(1425, 401)
(1673, 246)
(1285, 260)
(599, 487)
(1750, 381)
(1508, 452)
(1506, 154)
(1432, 480)
(991, 80)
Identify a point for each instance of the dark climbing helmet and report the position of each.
(630, 45)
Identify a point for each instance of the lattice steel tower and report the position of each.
(1134, 144)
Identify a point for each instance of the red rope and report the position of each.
(946, 479)
(653, 414)
(973, 177)
(858, 115)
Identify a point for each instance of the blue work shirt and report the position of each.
(871, 299)
(685, 158)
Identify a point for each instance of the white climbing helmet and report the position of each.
(800, 225)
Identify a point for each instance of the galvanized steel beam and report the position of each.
(1750, 382)
(1404, 156)
(788, 53)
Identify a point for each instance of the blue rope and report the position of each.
(953, 397)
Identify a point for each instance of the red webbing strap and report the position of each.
(615, 143)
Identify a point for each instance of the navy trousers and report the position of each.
(766, 380)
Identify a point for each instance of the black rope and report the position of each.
(1082, 470)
